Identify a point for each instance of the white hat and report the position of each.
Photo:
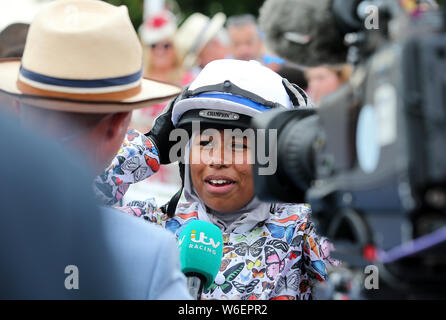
(227, 94)
(194, 34)
(246, 88)
(158, 27)
(82, 56)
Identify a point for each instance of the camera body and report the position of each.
(371, 159)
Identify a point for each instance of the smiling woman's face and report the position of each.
(221, 171)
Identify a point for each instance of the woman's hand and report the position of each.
(160, 132)
(136, 160)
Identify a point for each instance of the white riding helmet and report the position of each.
(230, 92)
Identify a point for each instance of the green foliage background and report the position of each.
(136, 8)
(187, 7)
(207, 7)
(229, 7)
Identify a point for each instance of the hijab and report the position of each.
(239, 221)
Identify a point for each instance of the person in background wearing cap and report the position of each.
(161, 62)
(78, 83)
(271, 251)
(200, 40)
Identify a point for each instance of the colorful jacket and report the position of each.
(278, 258)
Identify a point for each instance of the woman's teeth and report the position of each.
(219, 182)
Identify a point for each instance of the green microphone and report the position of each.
(201, 248)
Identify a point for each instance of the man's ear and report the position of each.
(117, 123)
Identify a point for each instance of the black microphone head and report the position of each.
(303, 31)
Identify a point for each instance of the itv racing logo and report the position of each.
(201, 242)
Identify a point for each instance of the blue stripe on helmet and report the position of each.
(98, 83)
(241, 100)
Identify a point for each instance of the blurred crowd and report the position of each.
(176, 52)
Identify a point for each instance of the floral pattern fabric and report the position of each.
(279, 258)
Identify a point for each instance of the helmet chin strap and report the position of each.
(297, 96)
(170, 207)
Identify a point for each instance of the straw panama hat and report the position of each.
(82, 56)
(194, 34)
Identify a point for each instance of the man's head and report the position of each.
(246, 43)
(80, 76)
(97, 136)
